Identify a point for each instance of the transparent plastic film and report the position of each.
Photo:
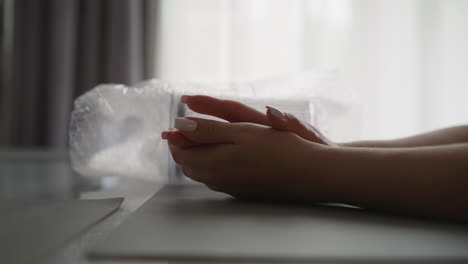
(115, 129)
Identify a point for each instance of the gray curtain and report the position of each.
(63, 48)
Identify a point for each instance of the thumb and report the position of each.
(290, 123)
(204, 131)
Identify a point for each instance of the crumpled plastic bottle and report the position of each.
(115, 129)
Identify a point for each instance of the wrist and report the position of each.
(320, 175)
(339, 173)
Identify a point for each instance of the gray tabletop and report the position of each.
(46, 174)
(30, 174)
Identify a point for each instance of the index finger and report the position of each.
(228, 110)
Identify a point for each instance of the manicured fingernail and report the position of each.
(277, 113)
(184, 98)
(185, 124)
(164, 134)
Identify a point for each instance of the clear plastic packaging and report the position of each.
(115, 129)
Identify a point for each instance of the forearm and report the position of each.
(451, 135)
(427, 181)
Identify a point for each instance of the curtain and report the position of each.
(406, 60)
(63, 48)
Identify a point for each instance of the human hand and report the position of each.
(250, 160)
(234, 112)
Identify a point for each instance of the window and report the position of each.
(405, 59)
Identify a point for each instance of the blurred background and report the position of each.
(406, 60)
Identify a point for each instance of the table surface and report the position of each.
(46, 174)
(39, 174)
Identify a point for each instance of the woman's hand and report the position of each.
(249, 160)
(256, 161)
(234, 112)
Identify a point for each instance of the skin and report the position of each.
(257, 155)
(446, 136)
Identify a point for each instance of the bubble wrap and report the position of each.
(115, 129)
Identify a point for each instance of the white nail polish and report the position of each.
(185, 124)
(277, 113)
